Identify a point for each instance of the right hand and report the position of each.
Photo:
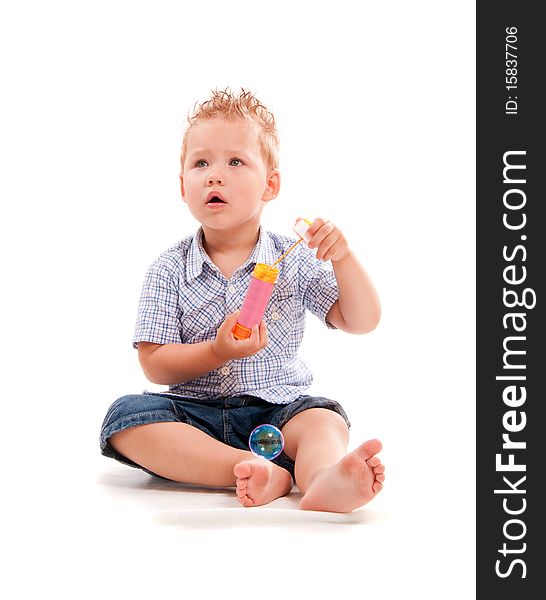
(226, 347)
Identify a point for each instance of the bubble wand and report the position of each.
(301, 228)
(289, 250)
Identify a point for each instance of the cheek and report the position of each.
(190, 183)
(255, 183)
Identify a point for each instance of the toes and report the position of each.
(242, 483)
(377, 486)
(242, 496)
(241, 491)
(369, 448)
(377, 467)
(242, 469)
(245, 501)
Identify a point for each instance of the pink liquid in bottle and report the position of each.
(256, 299)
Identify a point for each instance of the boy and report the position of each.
(221, 388)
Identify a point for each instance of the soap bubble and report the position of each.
(266, 441)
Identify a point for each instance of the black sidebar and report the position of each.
(511, 270)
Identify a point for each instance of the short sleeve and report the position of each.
(318, 285)
(158, 318)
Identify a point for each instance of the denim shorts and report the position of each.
(228, 420)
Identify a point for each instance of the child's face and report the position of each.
(225, 181)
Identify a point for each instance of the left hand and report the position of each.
(328, 240)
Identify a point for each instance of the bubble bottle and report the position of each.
(261, 287)
(255, 302)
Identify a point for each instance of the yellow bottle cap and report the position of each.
(265, 273)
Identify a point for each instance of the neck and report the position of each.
(233, 242)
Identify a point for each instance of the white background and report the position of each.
(375, 106)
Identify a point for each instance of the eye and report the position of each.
(201, 163)
(235, 162)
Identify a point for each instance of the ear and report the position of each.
(273, 186)
(182, 190)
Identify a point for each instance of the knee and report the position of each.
(314, 422)
(320, 417)
(136, 410)
(327, 420)
(121, 440)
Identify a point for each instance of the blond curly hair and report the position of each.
(224, 104)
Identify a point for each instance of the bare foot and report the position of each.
(260, 481)
(350, 483)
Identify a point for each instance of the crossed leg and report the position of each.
(183, 453)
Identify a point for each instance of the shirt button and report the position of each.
(224, 370)
(275, 316)
(231, 288)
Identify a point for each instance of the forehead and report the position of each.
(217, 133)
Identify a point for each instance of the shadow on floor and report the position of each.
(261, 516)
(201, 507)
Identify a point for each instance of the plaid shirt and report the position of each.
(185, 298)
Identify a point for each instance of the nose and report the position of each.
(215, 179)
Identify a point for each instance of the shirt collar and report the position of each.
(196, 257)
(263, 252)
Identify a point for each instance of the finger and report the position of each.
(254, 339)
(231, 319)
(329, 255)
(316, 225)
(264, 338)
(326, 230)
(226, 328)
(337, 252)
(326, 245)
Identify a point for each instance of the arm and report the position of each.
(358, 309)
(168, 364)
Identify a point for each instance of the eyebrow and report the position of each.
(200, 151)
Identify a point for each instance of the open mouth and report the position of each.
(216, 200)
